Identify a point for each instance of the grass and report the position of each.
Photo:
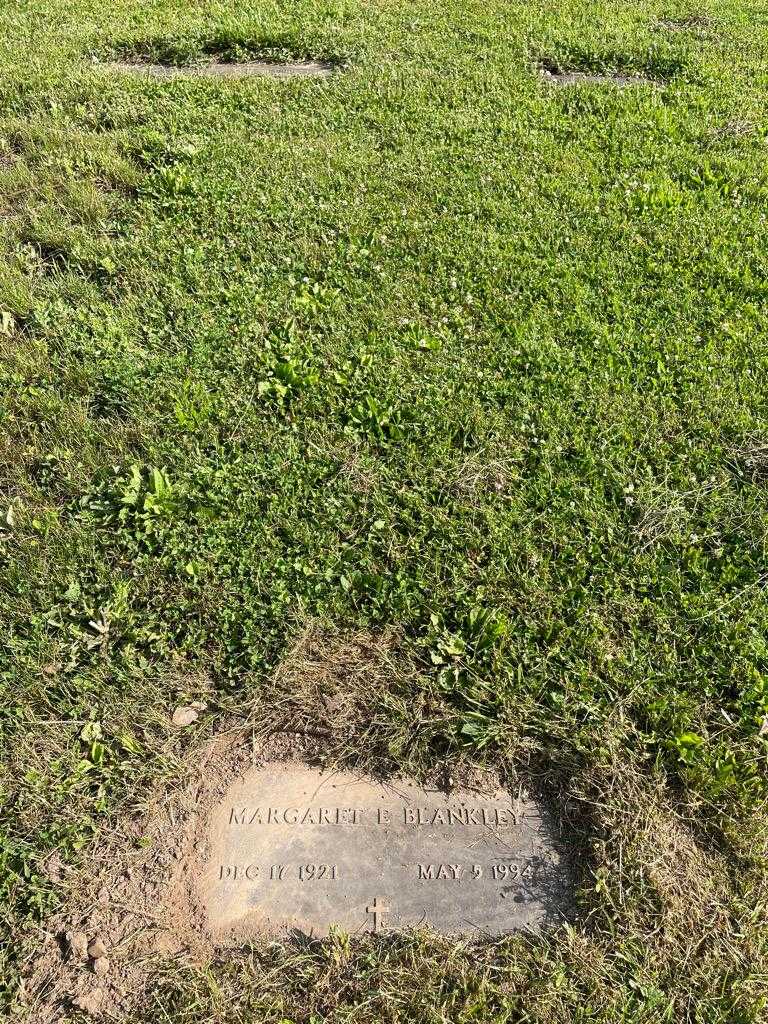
(431, 353)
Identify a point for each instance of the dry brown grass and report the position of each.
(481, 473)
(750, 457)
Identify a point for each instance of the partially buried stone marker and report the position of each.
(249, 69)
(295, 848)
(587, 77)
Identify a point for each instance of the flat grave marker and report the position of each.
(294, 848)
(247, 69)
(593, 77)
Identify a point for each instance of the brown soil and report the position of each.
(135, 893)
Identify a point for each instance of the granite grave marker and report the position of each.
(291, 847)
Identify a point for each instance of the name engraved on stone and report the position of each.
(296, 848)
(496, 817)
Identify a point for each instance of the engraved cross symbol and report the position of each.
(378, 912)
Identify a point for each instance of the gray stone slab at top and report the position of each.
(263, 69)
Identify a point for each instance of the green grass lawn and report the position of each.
(434, 372)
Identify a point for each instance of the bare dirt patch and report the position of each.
(138, 900)
(134, 894)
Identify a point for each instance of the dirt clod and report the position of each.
(97, 948)
(184, 716)
(76, 945)
(53, 867)
(89, 1002)
(101, 966)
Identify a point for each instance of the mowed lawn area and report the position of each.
(432, 382)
